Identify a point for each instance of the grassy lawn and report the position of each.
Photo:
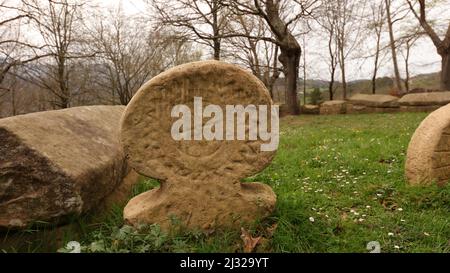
(340, 185)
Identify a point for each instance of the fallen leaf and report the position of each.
(249, 242)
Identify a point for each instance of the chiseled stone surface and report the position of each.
(333, 107)
(428, 108)
(362, 109)
(58, 163)
(200, 180)
(425, 99)
(374, 100)
(428, 157)
(310, 109)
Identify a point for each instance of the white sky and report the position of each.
(129, 6)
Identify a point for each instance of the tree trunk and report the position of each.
(333, 62)
(216, 49)
(442, 46)
(445, 74)
(304, 69)
(275, 74)
(344, 84)
(13, 102)
(216, 39)
(330, 87)
(270, 87)
(290, 58)
(290, 51)
(408, 51)
(344, 80)
(375, 70)
(304, 87)
(374, 83)
(398, 83)
(341, 59)
(332, 81)
(63, 83)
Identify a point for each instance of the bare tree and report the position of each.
(126, 51)
(392, 17)
(8, 42)
(342, 22)
(333, 61)
(202, 21)
(376, 24)
(21, 97)
(281, 18)
(348, 33)
(129, 53)
(442, 45)
(405, 45)
(56, 22)
(304, 66)
(259, 55)
(271, 71)
(328, 21)
(15, 50)
(17, 101)
(408, 43)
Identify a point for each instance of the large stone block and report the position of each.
(362, 109)
(310, 109)
(428, 157)
(428, 108)
(333, 107)
(426, 99)
(375, 100)
(58, 163)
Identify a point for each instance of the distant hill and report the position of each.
(427, 81)
(384, 85)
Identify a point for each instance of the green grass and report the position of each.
(347, 172)
(343, 172)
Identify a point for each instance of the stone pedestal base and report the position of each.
(212, 205)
